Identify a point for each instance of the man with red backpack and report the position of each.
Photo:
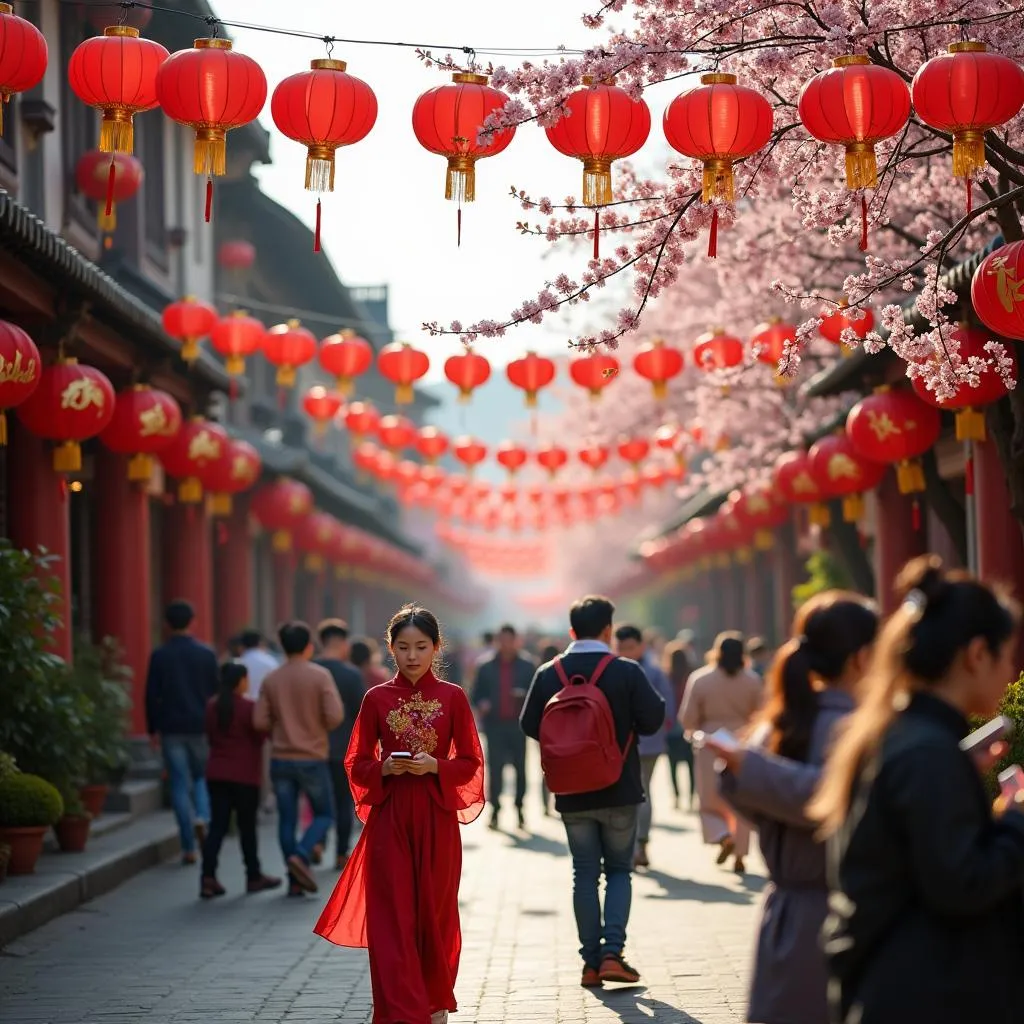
(587, 707)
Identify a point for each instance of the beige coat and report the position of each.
(714, 700)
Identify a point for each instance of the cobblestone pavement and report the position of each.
(151, 951)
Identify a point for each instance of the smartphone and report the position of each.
(724, 739)
(1000, 728)
(401, 755)
(1011, 781)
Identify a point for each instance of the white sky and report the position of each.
(388, 221)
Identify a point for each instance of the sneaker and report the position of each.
(262, 884)
(640, 859)
(211, 889)
(590, 978)
(299, 871)
(317, 856)
(614, 968)
(726, 845)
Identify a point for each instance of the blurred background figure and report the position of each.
(759, 655)
(677, 666)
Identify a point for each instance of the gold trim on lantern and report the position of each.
(121, 30)
(285, 377)
(597, 181)
(209, 152)
(531, 399)
(853, 508)
(140, 468)
(460, 180)
(327, 64)
(67, 457)
(718, 78)
(281, 542)
(861, 165)
(320, 169)
(660, 390)
(820, 516)
(190, 491)
(970, 425)
(220, 504)
(910, 477)
(967, 46)
(968, 151)
(717, 181)
(117, 130)
(190, 350)
(851, 60)
(469, 78)
(208, 43)
(404, 394)
(6, 8)
(234, 366)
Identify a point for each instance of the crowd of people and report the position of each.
(896, 884)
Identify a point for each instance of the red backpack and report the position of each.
(579, 752)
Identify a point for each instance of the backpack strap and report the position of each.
(598, 672)
(601, 666)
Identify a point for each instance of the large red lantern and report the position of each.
(288, 346)
(108, 179)
(835, 323)
(145, 422)
(347, 356)
(895, 427)
(115, 73)
(512, 456)
(431, 443)
(718, 123)
(469, 451)
(798, 485)
(759, 505)
(552, 458)
(192, 456)
(840, 472)
(396, 433)
(236, 337)
(594, 372)
(997, 291)
(189, 320)
(211, 89)
(531, 374)
(658, 363)
(236, 254)
(403, 365)
(361, 419)
(324, 109)
(594, 456)
(71, 404)
(467, 371)
(20, 370)
(958, 369)
(321, 406)
(280, 507)
(773, 341)
(22, 56)
(238, 470)
(716, 350)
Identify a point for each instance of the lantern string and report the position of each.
(458, 226)
(111, 178)
(316, 232)
(209, 199)
(597, 233)
(863, 222)
(713, 237)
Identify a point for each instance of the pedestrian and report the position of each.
(759, 655)
(926, 918)
(770, 778)
(258, 661)
(724, 694)
(416, 769)
(677, 665)
(233, 775)
(498, 691)
(334, 656)
(630, 643)
(593, 769)
(299, 706)
(182, 676)
(364, 657)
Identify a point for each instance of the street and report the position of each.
(151, 951)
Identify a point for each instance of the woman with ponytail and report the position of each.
(769, 780)
(927, 915)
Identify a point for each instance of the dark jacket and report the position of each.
(928, 921)
(636, 707)
(182, 677)
(236, 753)
(351, 689)
(487, 688)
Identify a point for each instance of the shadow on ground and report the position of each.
(537, 843)
(674, 888)
(634, 1004)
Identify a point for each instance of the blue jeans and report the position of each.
(601, 840)
(185, 759)
(290, 779)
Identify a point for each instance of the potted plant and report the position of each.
(29, 805)
(72, 828)
(5, 860)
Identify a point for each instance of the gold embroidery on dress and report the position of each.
(411, 722)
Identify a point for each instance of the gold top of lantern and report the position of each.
(213, 44)
(850, 60)
(718, 78)
(967, 46)
(469, 78)
(327, 64)
(6, 8)
(140, 387)
(589, 80)
(124, 31)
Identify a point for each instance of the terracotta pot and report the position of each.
(73, 832)
(93, 798)
(26, 844)
(5, 858)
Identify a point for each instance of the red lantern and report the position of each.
(967, 92)
(797, 485)
(552, 458)
(364, 458)
(396, 432)
(760, 506)
(594, 372)
(634, 450)
(855, 104)
(71, 404)
(108, 179)
(280, 507)
(193, 453)
(469, 451)
(718, 123)
(407, 473)
(773, 341)
(324, 109)
(347, 356)
(531, 374)
(189, 320)
(658, 363)
(594, 456)
(236, 337)
(238, 470)
(967, 397)
(833, 324)
(145, 422)
(403, 365)
(236, 254)
(21, 369)
(840, 472)
(467, 372)
(288, 346)
(115, 73)
(211, 89)
(895, 427)
(717, 350)
(361, 419)
(512, 456)
(22, 56)
(316, 537)
(997, 291)
(431, 443)
(321, 406)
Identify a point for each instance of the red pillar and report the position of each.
(896, 540)
(188, 564)
(284, 587)
(756, 620)
(343, 599)
(313, 597)
(122, 582)
(233, 573)
(39, 516)
(785, 572)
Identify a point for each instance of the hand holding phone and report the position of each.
(987, 745)
(397, 762)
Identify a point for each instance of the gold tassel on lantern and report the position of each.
(234, 366)
(764, 540)
(219, 505)
(320, 166)
(3, 429)
(210, 150)
(819, 515)
(460, 181)
(718, 182)
(286, 376)
(910, 477)
(404, 394)
(597, 182)
(853, 508)
(970, 425)
(281, 542)
(190, 491)
(67, 457)
(140, 468)
(314, 563)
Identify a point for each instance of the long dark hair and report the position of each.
(828, 630)
(729, 653)
(425, 621)
(231, 674)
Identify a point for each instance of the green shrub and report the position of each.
(27, 801)
(103, 683)
(1012, 705)
(824, 572)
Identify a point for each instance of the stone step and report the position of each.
(135, 797)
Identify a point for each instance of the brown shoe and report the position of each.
(590, 979)
(614, 968)
(188, 859)
(317, 856)
(725, 849)
(263, 883)
(739, 867)
(210, 888)
(299, 870)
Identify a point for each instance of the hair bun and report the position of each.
(922, 581)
